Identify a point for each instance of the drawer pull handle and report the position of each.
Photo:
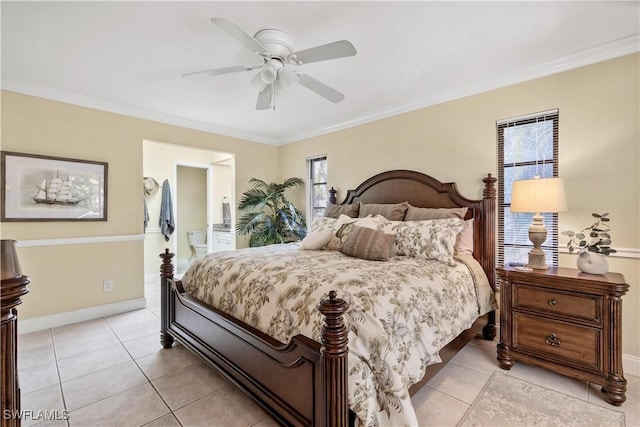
(553, 340)
(553, 302)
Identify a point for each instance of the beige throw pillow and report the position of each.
(344, 224)
(392, 212)
(334, 211)
(421, 214)
(367, 243)
(464, 240)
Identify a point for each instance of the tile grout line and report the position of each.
(143, 373)
(55, 357)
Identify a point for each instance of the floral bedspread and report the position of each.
(401, 312)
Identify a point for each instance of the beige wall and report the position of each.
(456, 141)
(69, 277)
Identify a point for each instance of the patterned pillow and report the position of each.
(344, 224)
(367, 243)
(334, 211)
(323, 223)
(421, 214)
(430, 239)
(392, 212)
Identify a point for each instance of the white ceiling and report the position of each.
(128, 57)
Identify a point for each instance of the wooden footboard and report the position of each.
(301, 383)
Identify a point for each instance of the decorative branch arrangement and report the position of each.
(600, 239)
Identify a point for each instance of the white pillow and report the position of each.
(317, 239)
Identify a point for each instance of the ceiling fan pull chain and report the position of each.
(273, 95)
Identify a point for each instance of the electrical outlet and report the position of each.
(107, 285)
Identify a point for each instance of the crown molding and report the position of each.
(614, 49)
(578, 59)
(74, 98)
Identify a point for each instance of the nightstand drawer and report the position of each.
(588, 307)
(579, 345)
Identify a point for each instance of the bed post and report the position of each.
(332, 196)
(334, 361)
(166, 273)
(489, 246)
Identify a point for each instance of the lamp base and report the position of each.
(537, 261)
(537, 235)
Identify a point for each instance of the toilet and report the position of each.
(198, 242)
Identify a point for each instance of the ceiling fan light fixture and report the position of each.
(289, 78)
(270, 71)
(274, 47)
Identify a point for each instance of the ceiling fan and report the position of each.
(275, 48)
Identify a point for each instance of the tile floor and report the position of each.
(113, 372)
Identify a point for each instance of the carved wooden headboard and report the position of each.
(424, 191)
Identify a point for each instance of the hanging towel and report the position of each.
(146, 213)
(226, 211)
(167, 223)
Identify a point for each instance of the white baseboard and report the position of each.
(631, 365)
(60, 319)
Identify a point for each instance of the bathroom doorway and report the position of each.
(160, 161)
(194, 212)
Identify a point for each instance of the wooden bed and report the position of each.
(304, 382)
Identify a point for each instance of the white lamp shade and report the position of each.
(538, 195)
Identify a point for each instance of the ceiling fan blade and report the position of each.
(320, 88)
(219, 71)
(333, 50)
(235, 31)
(264, 98)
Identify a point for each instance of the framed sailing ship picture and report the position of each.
(44, 188)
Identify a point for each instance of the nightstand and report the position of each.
(566, 321)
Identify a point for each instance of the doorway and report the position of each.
(193, 212)
(161, 161)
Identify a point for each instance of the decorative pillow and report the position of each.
(430, 239)
(334, 211)
(367, 243)
(323, 223)
(464, 240)
(344, 224)
(393, 212)
(421, 214)
(317, 239)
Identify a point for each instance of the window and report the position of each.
(527, 146)
(318, 190)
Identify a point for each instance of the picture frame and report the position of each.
(46, 188)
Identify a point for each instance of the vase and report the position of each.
(592, 263)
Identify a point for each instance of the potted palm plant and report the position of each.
(267, 216)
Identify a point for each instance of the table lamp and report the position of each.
(538, 195)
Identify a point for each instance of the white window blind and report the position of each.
(317, 190)
(527, 146)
